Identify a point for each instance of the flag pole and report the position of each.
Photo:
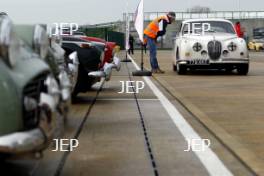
(127, 36)
(142, 60)
(139, 25)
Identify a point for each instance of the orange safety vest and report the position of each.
(153, 27)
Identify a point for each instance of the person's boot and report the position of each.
(160, 71)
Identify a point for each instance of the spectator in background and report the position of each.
(238, 29)
(131, 45)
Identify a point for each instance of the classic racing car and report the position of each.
(209, 43)
(64, 70)
(91, 57)
(109, 48)
(28, 105)
(256, 44)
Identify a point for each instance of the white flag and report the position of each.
(139, 20)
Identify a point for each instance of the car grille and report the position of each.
(33, 90)
(214, 49)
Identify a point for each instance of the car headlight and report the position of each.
(197, 47)
(54, 35)
(41, 41)
(9, 43)
(232, 46)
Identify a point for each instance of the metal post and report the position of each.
(142, 56)
(127, 37)
(142, 72)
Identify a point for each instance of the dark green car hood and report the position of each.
(12, 82)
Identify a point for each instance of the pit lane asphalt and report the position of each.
(229, 106)
(112, 141)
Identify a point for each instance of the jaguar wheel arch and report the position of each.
(243, 69)
(177, 58)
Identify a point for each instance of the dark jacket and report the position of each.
(131, 39)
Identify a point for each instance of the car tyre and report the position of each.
(229, 70)
(181, 69)
(3, 157)
(243, 69)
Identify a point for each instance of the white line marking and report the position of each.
(124, 99)
(209, 159)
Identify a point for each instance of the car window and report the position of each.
(216, 26)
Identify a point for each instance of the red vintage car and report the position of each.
(109, 50)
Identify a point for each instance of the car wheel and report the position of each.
(181, 69)
(74, 95)
(229, 69)
(243, 69)
(3, 157)
(82, 84)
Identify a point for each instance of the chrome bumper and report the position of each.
(221, 61)
(107, 70)
(36, 139)
(22, 142)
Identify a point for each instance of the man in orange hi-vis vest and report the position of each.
(155, 29)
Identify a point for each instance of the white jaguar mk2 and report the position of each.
(209, 44)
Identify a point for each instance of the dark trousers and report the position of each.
(153, 53)
(131, 48)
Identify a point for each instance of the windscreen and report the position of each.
(197, 27)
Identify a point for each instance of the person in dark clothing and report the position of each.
(131, 44)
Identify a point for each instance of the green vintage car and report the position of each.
(27, 88)
(64, 67)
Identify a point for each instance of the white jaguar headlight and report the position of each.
(9, 43)
(41, 41)
(232, 46)
(197, 47)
